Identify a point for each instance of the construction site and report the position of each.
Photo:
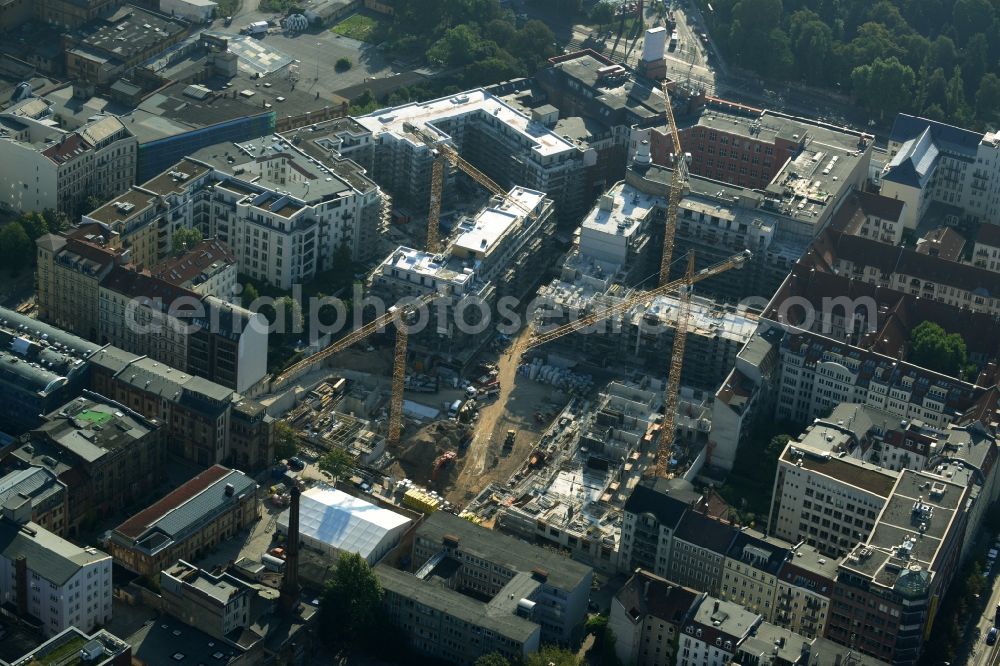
(534, 432)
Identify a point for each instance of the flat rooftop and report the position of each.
(432, 593)
(904, 548)
(251, 161)
(540, 139)
(563, 573)
(417, 262)
(620, 211)
(494, 222)
(130, 32)
(863, 475)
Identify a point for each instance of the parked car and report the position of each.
(991, 636)
(297, 464)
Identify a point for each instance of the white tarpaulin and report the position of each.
(331, 520)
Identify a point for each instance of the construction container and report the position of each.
(420, 501)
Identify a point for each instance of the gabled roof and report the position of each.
(914, 163)
(706, 533)
(666, 506)
(51, 557)
(949, 137)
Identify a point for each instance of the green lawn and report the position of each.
(357, 26)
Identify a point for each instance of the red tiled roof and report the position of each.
(194, 262)
(136, 284)
(134, 526)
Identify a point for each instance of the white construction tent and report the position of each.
(332, 522)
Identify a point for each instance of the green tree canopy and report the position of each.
(934, 348)
(34, 225)
(551, 655)
(249, 294)
(492, 659)
(336, 462)
(286, 441)
(184, 239)
(350, 608)
(16, 248)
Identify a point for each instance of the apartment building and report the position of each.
(188, 523)
(804, 589)
(46, 167)
(285, 215)
(828, 500)
(68, 275)
(446, 624)
(504, 143)
(196, 413)
(251, 436)
(871, 216)
(207, 269)
(45, 577)
(905, 270)
(139, 314)
(108, 456)
(102, 51)
(751, 572)
(713, 633)
(650, 518)
(500, 252)
(493, 565)
(41, 367)
(218, 604)
(698, 553)
(888, 585)
(203, 335)
(146, 216)
(647, 616)
(931, 162)
(986, 247)
(41, 491)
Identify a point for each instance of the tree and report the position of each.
(883, 85)
(34, 225)
(16, 249)
(602, 14)
(492, 659)
(336, 462)
(249, 294)
(184, 239)
(554, 656)
(458, 47)
(351, 605)
(934, 348)
(988, 99)
(941, 53)
(970, 17)
(342, 64)
(286, 441)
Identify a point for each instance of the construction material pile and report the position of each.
(561, 378)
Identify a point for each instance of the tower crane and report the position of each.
(683, 286)
(677, 179)
(396, 315)
(539, 338)
(442, 153)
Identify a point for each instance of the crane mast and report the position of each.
(674, 378)
(677, 178)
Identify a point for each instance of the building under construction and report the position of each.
(502, 251)
(326, 419)
(571, 490)
(508, 146)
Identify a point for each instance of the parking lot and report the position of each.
(315, 53)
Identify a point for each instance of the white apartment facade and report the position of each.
(827, 501)
(44, 167)
(499, 140)
(66, 586)
(934, 162)
(285, 217)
